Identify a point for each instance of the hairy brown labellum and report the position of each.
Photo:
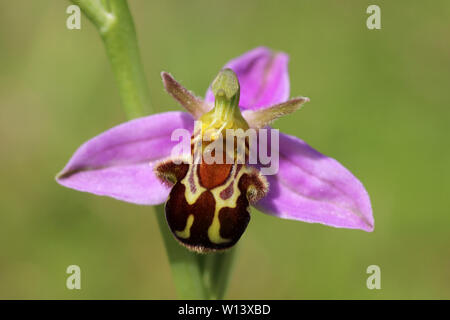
(208, 206)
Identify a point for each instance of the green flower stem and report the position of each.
(195, 276)
(185, 265)
(95, 11)
(115, 25)
(216, 270)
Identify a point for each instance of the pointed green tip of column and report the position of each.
(226, 84)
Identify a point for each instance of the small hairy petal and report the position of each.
(119, 162)
(314, 188)
(264, 117)
(187, 99)
(263, 78)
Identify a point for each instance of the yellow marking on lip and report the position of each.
(231, 202)
(186, 233)
(214, 230)
(191, 197)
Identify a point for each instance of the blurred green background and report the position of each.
(379, 104)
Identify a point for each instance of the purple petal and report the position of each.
(314, 188)
(118, 162)
(263, 77)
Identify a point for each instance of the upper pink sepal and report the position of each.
(263, 77)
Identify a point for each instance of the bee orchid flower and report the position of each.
(207, 206)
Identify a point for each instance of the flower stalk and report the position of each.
(195, 276)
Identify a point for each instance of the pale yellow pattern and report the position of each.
(231, 202)
(186, 233)
(191, 197)
(214, 229)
